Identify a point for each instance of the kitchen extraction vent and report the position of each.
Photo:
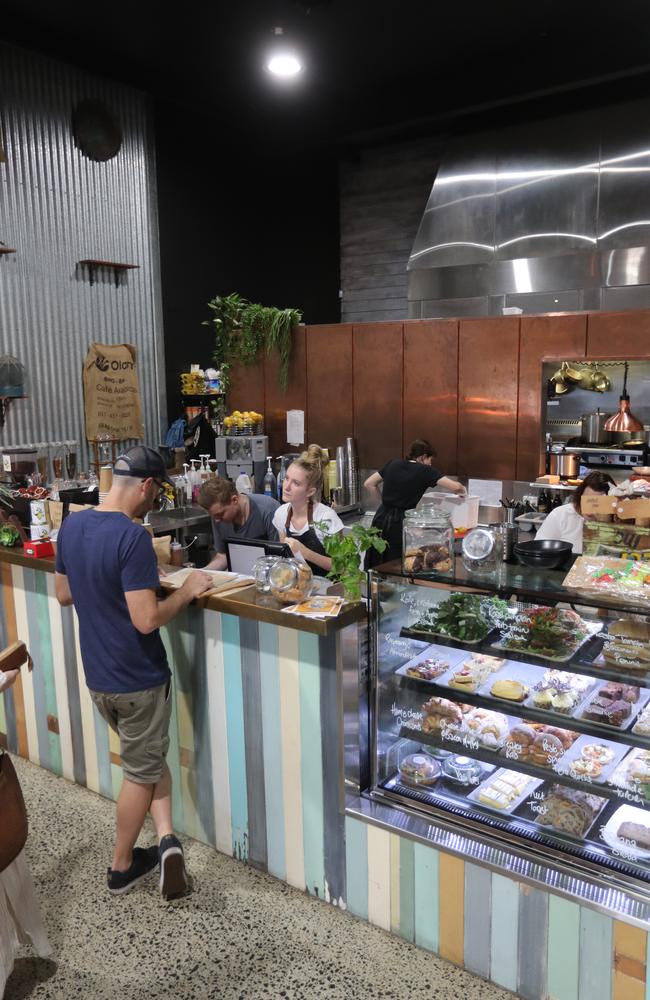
(551, 216)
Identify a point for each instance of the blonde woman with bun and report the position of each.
(295, 519)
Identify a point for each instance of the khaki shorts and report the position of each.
(141, 720)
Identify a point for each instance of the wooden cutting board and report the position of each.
(223, 582)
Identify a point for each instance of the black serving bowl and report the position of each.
(548, 553)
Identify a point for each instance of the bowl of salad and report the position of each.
(467, 618)
(550, 633)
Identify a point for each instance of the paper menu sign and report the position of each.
(295, 427)
(489, 490)
(317, 607)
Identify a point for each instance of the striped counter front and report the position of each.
(256, 755)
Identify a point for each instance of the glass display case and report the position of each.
(516, 711)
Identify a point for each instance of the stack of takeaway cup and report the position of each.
(351, 471)
(105, 481)
(341, 476)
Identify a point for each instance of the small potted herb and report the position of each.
(9, 535)
(346, 552)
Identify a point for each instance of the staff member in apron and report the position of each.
(405, 480)
(294, 520)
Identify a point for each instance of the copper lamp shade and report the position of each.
(624, 420)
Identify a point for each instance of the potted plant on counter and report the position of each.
(346, 552)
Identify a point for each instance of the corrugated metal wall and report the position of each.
(58, 207)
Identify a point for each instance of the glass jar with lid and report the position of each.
(262, 571)
(18, 465)
(290, 580)
(480, 551)
(428, 542)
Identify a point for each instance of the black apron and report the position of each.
(389, 520)
(308, 538)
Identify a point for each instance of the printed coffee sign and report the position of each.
(111, 393)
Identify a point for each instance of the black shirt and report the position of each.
(406, 482)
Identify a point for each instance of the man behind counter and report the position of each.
(236, 515)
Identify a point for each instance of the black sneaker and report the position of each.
(173, 877)
(144, 861)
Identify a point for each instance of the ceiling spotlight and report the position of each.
(283, 62)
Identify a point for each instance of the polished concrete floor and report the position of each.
(241, 935)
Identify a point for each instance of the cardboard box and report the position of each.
(620, 540)
(37, 531)
(39, 549)
(38, 511)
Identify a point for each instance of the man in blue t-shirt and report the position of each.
(106, 567)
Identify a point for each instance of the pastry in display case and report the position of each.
(520, 712)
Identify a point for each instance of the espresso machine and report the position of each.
(242, 453)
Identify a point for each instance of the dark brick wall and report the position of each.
(383, 192)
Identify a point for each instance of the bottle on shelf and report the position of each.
(280, 478)
(270, 483)
(543, 504)
(195, 480)
(187, 482)
(204, 471)
(180, 491)
(243, 483)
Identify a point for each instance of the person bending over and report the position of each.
(236, 515)
(565, 523)
(405, 481)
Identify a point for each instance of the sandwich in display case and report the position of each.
(517, 710)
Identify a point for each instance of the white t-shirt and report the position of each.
(565, 524)
(321, 513)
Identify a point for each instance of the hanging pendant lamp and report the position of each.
(624, 421)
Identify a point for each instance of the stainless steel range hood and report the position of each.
(551, 216)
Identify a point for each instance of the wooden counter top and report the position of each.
(244, 603)
(249, 603)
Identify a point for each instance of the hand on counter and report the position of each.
(197, 583)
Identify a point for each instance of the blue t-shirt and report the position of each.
(104, 555)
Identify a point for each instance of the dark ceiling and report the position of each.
(374, 69)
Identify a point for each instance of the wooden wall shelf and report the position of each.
(94, 265)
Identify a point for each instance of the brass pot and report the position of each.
(571, 374)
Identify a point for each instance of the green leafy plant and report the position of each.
(9, 535)
(244, 328)
(345, 551)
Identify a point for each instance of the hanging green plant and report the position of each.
(244, 328)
